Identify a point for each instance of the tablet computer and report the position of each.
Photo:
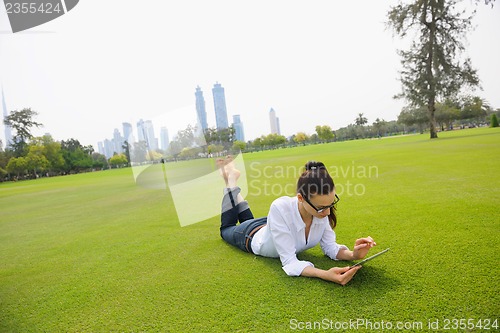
(369, 258)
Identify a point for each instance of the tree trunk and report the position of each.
(432, 119)
(431, 105)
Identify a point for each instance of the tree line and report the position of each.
(32, 157)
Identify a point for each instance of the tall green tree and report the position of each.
(22, 123)
(433, 66)
(494, 120)
(361, 120)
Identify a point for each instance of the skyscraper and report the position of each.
(200, 108)
(238, 128)
(108, 148)
(164, 138)
(145, 132)
(127, 133)
(220, 106)
(8, 133)
(117, 141)
(275, 122)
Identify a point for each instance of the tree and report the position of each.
(51, 149)
(126, 149)
(140, 150)
(325, 133)
(36, 161)
(239, 145)
(213, 149)
(474, 107)
(5, 156)
(414, 116)
(494, 120)
(432, 67)
(446, 113)
(17, 165)
(225, 136)
(118, 160)
(76, 156)
(301, 138)
(22, 122)
(379, 126)
(273, 140)
(99, 161)
(361, 120)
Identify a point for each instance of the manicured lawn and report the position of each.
(97, 253)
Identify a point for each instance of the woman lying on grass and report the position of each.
(294, 224)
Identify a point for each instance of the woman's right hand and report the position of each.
(340, 275)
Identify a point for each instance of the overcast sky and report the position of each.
(315, 62)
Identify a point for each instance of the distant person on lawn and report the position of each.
(294, 224)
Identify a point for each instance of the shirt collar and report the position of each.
(297, 221)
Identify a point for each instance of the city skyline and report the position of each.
(145, 128)
(311, 69)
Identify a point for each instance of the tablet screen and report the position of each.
(369, 258)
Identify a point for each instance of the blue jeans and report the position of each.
(232, 213)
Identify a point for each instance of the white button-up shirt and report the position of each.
(285, 235)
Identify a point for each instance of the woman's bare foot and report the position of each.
(221, 164)
(228, 171)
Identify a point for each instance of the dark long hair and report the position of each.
(316, 180)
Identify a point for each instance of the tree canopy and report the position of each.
(433, 67)
(21, 122)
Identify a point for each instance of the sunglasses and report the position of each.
(321, 209)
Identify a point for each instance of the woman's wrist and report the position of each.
(345, 254)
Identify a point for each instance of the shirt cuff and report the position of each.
(296, 268)
(340, 247)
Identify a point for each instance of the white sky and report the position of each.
(315, 62)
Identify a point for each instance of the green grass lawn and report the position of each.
(96, 253)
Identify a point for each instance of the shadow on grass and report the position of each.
(369, 279)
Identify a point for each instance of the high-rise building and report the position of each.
(100, 148)
(164, 138)
(200, 109)
(8, 133)
(275, 122)
(117, 141)
(238, 128)
(220, 106)
(146, 133)
(108, 148)
(128, 133)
